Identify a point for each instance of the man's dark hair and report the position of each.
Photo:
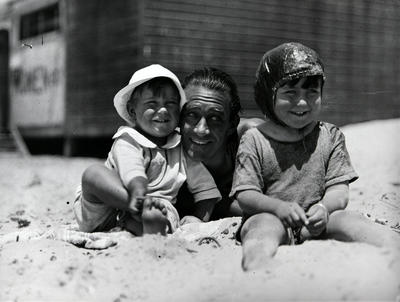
(216, 79)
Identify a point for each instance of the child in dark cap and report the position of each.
(293, 171)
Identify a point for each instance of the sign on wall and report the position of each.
(37, 84)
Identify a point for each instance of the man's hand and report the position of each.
(318, 217)
(190, 219)
(291, 214)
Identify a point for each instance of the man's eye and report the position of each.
(216, 118)
(190, 115)
(313, 91)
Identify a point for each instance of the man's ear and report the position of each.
(181, 116)
(233, 125)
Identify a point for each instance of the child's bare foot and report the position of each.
(154, 217)
(133, 224)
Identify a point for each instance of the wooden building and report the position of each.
(67, 58)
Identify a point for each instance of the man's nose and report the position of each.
(202, 127)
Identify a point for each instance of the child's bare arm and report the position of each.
(137, 189)
(290, 213)
(336, 198)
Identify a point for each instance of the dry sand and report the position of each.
(36, 195)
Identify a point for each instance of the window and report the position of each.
(39, 22)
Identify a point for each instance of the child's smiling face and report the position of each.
(297, 104)
(156, 115)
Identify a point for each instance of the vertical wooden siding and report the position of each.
(4, 86)
(108, 40)
(360, 43)
(358, 40)
(102, 52)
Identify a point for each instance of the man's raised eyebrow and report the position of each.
(192, 105)
(217, 110)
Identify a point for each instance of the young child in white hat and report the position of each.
(148, 157)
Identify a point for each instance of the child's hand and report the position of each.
(318, 217)
(136, 204)
(291, 214)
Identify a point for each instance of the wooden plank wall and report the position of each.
(4, 85)
(360, 43)
(358, 40)
(108, 40)
(102, 52)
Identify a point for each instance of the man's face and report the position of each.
(205, 122)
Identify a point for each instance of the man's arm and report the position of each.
(202, 211)
(204, 208)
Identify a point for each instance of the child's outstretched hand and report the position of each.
(318, 217)
(291, 214)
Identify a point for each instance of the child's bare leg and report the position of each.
(102, 185)
(352, 226)
(261, 236)
(154, 217)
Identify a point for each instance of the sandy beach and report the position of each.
(36, 197)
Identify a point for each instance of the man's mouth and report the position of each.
(161, 121)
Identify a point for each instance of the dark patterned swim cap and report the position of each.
(283, 63)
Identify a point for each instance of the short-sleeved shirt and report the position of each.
(185, 204)
(293, 171)
(166, 168)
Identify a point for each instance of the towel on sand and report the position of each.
(219, 230)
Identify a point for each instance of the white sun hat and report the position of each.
(139, 77)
